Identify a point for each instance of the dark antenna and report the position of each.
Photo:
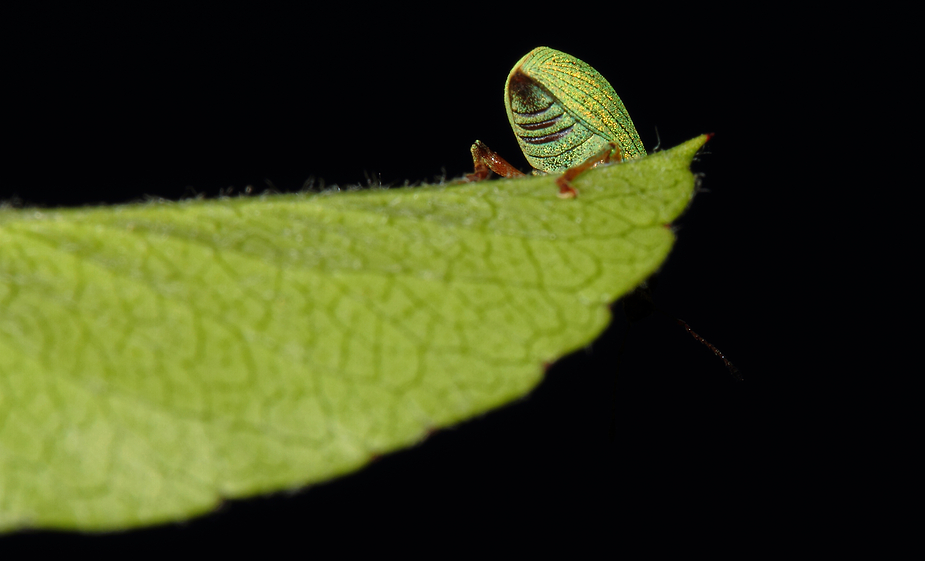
(638, 305)
(732, 368)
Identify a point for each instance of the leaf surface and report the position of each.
(156, 358)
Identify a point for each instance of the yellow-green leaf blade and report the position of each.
(156, 358)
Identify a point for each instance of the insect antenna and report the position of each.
(658, 141)
(639, 304)
(732, 368)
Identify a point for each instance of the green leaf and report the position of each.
(159, 357)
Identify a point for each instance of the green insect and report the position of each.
(567, 118)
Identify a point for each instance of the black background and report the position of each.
(116, 105)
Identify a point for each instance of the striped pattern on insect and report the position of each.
(566, 117)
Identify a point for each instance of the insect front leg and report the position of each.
(610, 154)
(485, 160)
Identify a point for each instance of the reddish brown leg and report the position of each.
(486, 161)
(610, 154)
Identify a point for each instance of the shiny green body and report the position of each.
(564, 112)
